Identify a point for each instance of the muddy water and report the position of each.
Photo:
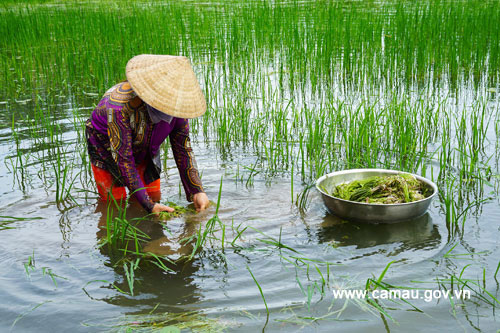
(55, 277)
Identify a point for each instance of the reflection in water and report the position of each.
(153, 286)
(419, 233)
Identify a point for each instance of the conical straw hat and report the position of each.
(167, 83)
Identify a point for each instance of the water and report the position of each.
(56, 277)
(217, 283)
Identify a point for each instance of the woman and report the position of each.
(126, 129)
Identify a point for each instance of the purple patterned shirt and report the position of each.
(121, 135)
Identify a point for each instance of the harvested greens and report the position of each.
(394, 189)
(178, 212)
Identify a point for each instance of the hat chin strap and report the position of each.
(157, 116)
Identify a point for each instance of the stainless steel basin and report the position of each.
(366, 212)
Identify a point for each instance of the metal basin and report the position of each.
(366, 212)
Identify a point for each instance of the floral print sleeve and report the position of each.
(184, 158)
(120, 136)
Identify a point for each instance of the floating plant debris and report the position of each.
(394, 189)
(174, 322)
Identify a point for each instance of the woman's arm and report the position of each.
(120, 137)
(184, 158)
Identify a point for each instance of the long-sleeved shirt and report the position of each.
(121, 135)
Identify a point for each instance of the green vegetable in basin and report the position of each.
(393, 189)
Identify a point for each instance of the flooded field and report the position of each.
(295, 90)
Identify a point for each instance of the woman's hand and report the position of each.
(157, 208)
(200, 201)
